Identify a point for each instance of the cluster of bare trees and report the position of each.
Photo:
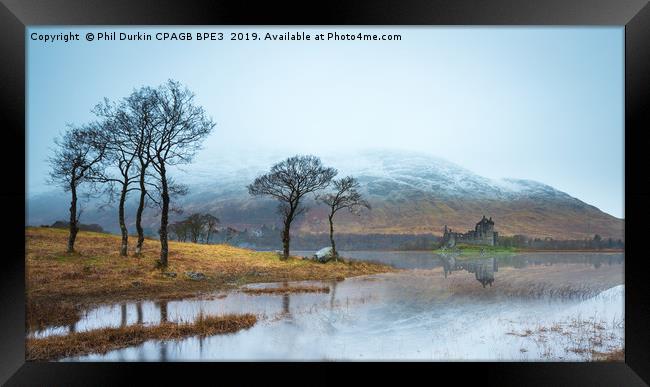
(130, 147)
(195, 228)
(291, 180)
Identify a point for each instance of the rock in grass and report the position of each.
(324, 255)
(195, 276)
(169, 274)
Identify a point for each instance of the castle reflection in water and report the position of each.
(483, 268)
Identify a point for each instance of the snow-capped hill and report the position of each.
(409, 193)
(519, 187)
(401, 170)
(380, 173)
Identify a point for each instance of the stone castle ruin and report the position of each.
(483, 234)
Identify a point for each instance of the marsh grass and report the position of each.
(588, 339)
(287, 290)
(107, 339)
(42, 314)
(616, 355)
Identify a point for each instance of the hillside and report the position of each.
(410, 194)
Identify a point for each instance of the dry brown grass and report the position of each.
(96, 273)
(107, 339)
(589, 339)
(612, 356)
(288, 290)
(525, 333)
(40, 315)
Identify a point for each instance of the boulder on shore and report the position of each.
(323, 255)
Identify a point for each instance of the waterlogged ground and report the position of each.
(540, 306)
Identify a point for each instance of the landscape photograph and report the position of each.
(325, 194)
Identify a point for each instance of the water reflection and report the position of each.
(162, 305)
(163, 350)
(430, 260)
(416, 291)
(483, 268)
(285, 306)
(138, 308)
(123, 315)
(332, 293)
(400, 323)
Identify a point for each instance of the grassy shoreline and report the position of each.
(60, 285)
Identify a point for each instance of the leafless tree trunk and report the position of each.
(345, 195)
(334, 253)
(74, 227)
(123, 229)
(286, 235)
(164, 247)
(138, 215)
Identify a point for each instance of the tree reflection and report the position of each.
(123, 315)
(162, 305)
(333, 293)
(163, 349)
(138, 308)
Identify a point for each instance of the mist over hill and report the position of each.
(410, 193)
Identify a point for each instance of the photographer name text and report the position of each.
(115, 36)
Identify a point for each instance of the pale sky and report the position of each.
(544, 104)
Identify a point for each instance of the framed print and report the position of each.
(433, 187)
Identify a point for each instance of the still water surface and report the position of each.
(414, 314)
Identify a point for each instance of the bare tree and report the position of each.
(181, 127)
(196, 225)
(211, 223)
(288, 182)
(120, 158)
(134, 120)
(179, 229)
(141, 104)
(140, 108)
(345, 196)
(77, 159)
(230, 233)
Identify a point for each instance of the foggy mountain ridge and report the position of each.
(410, 193)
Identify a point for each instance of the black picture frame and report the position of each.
(16, 15)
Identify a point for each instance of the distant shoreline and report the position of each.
(513, 251)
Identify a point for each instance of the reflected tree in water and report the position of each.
(138, 308)
(123, 315)
(162, 305)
